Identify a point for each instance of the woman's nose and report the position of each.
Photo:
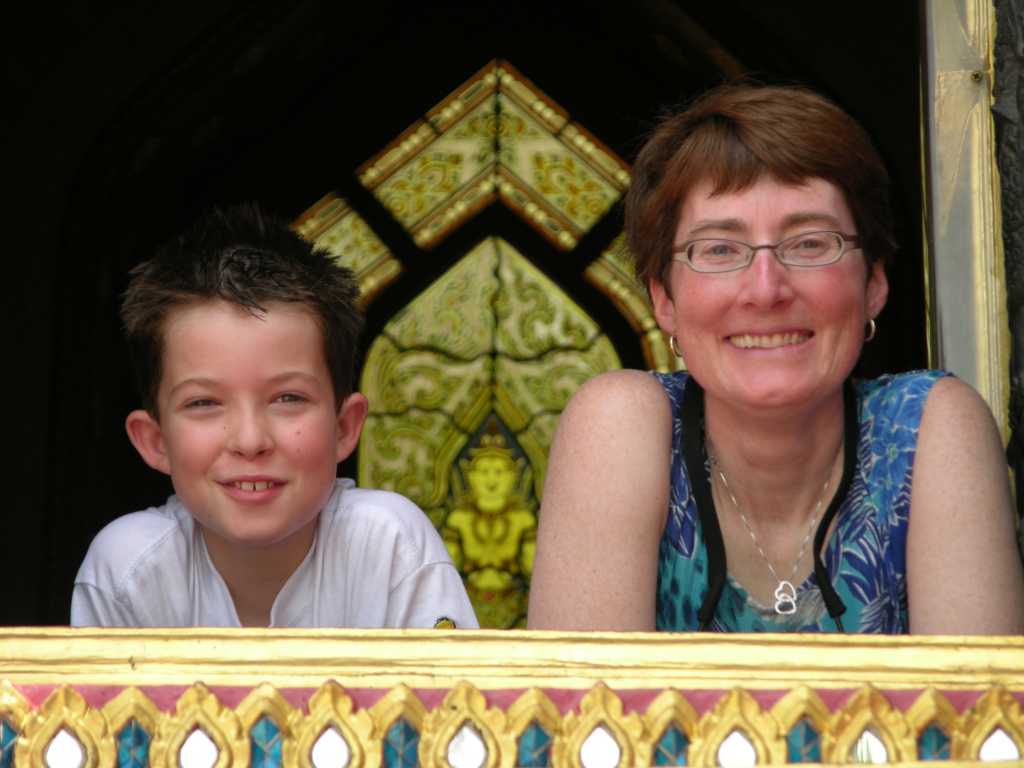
(767, 280)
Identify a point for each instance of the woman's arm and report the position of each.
(964, 573)
(604, 507)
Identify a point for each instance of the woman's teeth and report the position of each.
(770, 341)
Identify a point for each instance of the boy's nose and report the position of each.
(248, 435)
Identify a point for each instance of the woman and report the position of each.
(766, 490)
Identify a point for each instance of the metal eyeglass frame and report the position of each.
(681, 253)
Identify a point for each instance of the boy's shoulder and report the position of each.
(136, 541)
(372, 513)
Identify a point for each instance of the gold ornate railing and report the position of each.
(397, 698)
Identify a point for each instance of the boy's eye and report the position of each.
(200, 402)
(290, 397)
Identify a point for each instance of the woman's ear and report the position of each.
(877, 290)
(664, 307)
(351, 417)
(148, 438)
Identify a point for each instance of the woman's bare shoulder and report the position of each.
(617, 397)
(604, 506)
(616, 431)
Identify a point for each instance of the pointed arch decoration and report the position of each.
(465, 386)
(496, 137)
(466, 381)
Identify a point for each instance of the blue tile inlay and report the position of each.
(8, 738)
(132, 746)
(671, 747)
(400, 745)
(265, 738)
(933, 744)
(534, 747)
(803, 743)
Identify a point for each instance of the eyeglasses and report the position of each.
(808, 249)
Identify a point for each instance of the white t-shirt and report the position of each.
(376, 561)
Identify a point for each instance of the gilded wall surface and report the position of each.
(1009, 120)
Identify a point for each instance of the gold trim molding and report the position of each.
(496, 659)
(968, 329)
(634, 687)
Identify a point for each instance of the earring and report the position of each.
(872, 327)
(674, 346)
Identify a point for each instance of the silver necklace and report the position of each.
(785, 592)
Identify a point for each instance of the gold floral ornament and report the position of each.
(464, 723)
(803, 720)
(65, 724)
(737, 718)
(601, 727)
(868, 714)
(133, 720)
(398, 720)
(670, 726)
(14, 712)
(997, 710)
(534, 722)
(199, 710)
(932, 718)
(496, 137)
(330, 708)
(268, 720)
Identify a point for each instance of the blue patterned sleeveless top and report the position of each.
(866, 555)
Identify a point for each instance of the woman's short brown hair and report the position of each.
(736, 134)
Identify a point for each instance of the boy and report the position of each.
(243, 339)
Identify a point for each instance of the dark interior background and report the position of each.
(121, 123)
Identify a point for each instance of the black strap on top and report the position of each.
(693, 455)
(851, 438)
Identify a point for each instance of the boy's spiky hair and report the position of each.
(243, 256)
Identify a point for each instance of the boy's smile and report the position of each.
(248, 430)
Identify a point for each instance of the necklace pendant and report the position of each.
(785, 598)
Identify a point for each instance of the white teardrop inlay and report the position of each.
(869, 750)
(997, 747)
(198, 751)
(330, 750)
(736, 751)
(599, 750)
(64, 751)
(467, 749)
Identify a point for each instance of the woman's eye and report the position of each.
(719, 250)
(810, 243)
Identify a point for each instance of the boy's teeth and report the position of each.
(262, 485)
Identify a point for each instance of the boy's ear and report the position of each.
(351, 417)
(148, 438)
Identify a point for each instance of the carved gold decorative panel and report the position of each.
(331, 224)
(465, 385)
(612, 273)
(497, 137)
(276, 698)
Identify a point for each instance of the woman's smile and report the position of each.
(768, 341)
